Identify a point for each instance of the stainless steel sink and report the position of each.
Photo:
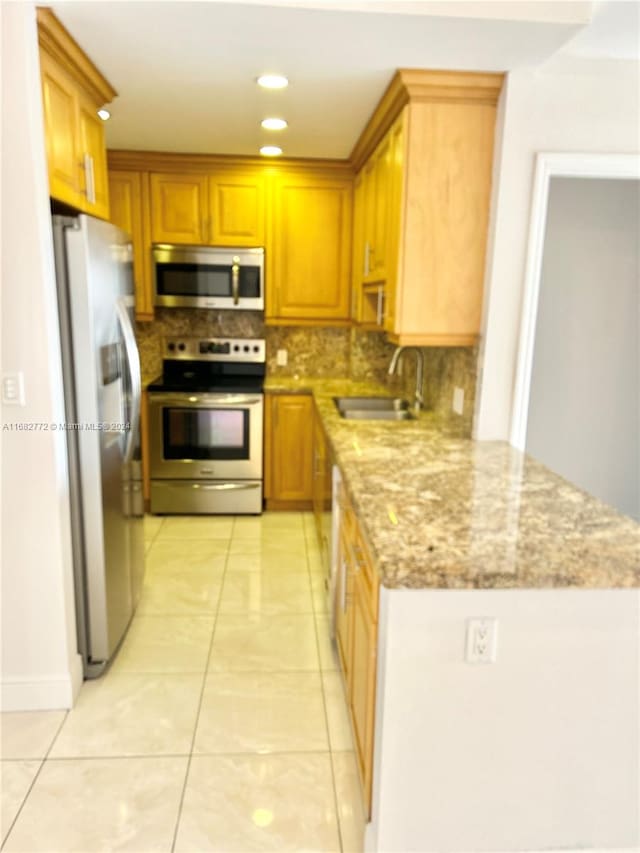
(374, 408)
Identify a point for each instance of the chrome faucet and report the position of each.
(397, 355)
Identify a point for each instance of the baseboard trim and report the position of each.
(42, 692)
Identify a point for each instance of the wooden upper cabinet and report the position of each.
(179, 208)
(72, 92)
(430, 208)
(237, 209)
(94, 182)
(310, 256)
(127, 191)
(61, 130)
(226, 208)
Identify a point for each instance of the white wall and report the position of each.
(565, 106)
(40, 665)
(584, 403)
(537, 751)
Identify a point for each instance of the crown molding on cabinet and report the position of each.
(166, 161)
(56, 41)
(420, 87)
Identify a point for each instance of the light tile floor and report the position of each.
(222, 723)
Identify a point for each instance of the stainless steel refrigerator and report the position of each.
(102, 389)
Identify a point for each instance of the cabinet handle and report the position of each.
(367, 253)
(89, 178)
(380, 309)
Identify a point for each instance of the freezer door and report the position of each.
(98, 262)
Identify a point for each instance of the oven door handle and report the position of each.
(223, 487)
(183, 399)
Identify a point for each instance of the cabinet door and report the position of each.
(357, 263)
(344, 606)
(397, 162)
(237, 206)
(368, 219)
(363, 684)
(382, 168)
(94, 183)
(312, 237)
(291, 451)
(125, 194)
(61, 131)
(179, 208)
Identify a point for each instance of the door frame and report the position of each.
(551, 165)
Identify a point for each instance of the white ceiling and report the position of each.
(185, 71)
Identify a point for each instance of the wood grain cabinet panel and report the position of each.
(356, 613)
(94, 181)
(179, 208)
(61, 131)
(72, 92)
(426, 205)
(311, 250)
(126, 207)
(237, 205)
(289, 437)
(362, 692)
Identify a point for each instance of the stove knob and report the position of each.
(246, 348)
(256, 349)
(236, 348)
(171, 347)
(181, 347)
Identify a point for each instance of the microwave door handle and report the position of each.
(235, 279)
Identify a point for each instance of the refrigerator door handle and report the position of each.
(133, 361)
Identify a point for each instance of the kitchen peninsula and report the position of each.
(514, 748)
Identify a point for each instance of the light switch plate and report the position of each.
(282, 356)
(13, 389)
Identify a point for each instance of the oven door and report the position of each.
(204, 277)
(205, 436)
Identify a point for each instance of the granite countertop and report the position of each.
(443, 511)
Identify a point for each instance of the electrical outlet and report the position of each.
(458, 400)
(482, 640)
(282, 356)
(13, 389)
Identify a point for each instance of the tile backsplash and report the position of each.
(323, 352)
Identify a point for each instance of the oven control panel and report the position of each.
(215, 349)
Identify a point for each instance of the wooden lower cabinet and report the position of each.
(362, 698)
(357, 639)
(288, 451)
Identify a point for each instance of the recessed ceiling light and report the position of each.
(273, 123)
(104, 114)
(272, 81)
(270, 151)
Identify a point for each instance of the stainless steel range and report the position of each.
(206, 415)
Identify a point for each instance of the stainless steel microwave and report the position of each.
(206, 277)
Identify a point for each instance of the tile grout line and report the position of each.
(204, 682)
(35, 778)
(324, 701)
